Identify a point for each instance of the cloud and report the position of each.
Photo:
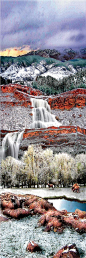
(66, 38)
(36, 23)
(15, 51)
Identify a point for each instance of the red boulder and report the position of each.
(80, 214)
(33, 247)
(68, 251)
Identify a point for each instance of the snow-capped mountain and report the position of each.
(16, 73)
(27, 68)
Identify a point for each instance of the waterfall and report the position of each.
(11, 143)
(42, 117)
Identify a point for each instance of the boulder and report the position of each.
(68, 251)
(33, 247)
(80, 214)
(76, 223)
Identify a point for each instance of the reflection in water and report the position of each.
(70, 206)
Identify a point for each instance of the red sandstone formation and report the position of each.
(80, 214)
(49, 132)
(7, 204)
(59, 138)
(68, 100)
(68, 251)
(17, 213)
(49, 135)
(20, 94)
(51, 218)
(76, 223)
(33, 247)
(57, 220)
(64, 136)
(15, 88)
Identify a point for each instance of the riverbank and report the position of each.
(47, 193)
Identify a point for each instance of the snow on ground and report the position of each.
(49, 193)
(58, 72)
(15, 72)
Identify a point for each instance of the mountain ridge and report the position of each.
(66, 54)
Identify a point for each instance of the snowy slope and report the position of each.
(17, 73)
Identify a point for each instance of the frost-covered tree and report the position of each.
(11, 170)
(64, 168)
(80, 161)
(40, 166)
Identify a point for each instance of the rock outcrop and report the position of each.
(51, 218)
(68, 100)
(63, 139)
(33, 247)
(68, 251)
(58, 220)
(16, 110)
(67, 54)
(15, 94)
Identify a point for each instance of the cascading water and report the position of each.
(10, 144)
(42, 117)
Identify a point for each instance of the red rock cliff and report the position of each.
(68, 100)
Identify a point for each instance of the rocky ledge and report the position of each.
(16, 106)
(16, 94)
(68, 108)
(67, 251)
(68, 100)
(69, 139)
(13, 93)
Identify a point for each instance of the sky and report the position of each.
(38, 24)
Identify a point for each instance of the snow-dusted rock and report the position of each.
(58, 72)
(21, 73)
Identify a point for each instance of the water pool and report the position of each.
(70, 206)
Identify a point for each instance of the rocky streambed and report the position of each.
(33, 219)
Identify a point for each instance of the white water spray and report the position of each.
(10, 144)
(42, 117)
